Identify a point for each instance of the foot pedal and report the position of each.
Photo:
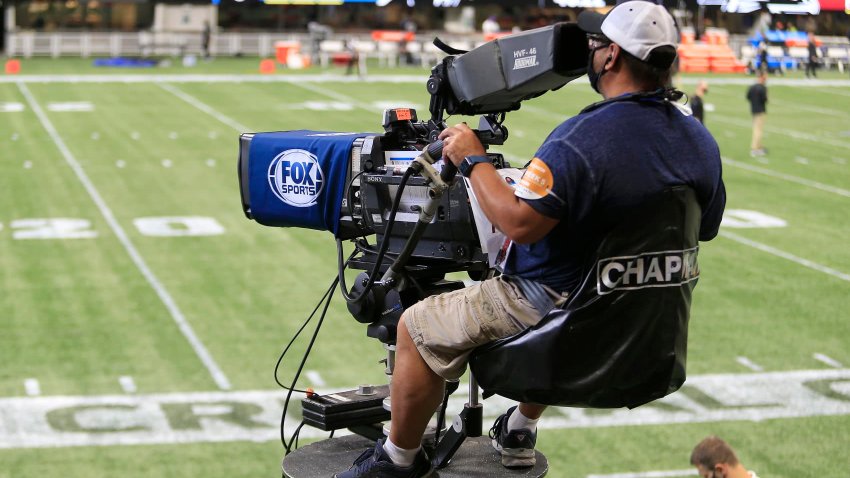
(352, 408)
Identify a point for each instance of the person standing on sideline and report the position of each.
(696, 102)
(757, 96)
(206, 34)
(812, 64)
(714, 458)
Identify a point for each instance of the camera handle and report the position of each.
(439, 184)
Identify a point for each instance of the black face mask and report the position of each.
(594, 76)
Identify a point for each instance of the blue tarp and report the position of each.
(120, 62)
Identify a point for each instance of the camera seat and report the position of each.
(621, 339)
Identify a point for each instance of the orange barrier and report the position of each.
(393, 35)
(267, 66)
(13, 67)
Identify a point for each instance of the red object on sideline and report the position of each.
(13, 67)
(267, 66)
(393, 35)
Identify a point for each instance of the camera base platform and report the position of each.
(475, 458)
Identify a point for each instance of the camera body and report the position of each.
(389, 184)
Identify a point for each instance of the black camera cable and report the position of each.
(326, 300)
(385, 244)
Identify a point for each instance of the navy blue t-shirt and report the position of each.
(596, 166)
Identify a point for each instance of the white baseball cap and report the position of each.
(639, 27)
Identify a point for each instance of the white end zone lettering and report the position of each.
(296, 177)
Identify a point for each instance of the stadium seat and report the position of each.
(838, 55)
(709, 57)
(612, 345)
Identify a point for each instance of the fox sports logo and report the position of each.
(296, 178)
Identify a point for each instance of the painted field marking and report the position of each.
(383, 105)
(762, 160)
(173, 135)
(11, 107)
(27, 164)
(135, 135)
(337, 96)
(15, 136)
(228, 416)
(210, 162)
(812, 109)
(801, 160)
(166, 163)
(32, 387)
(649, 474)
(127, 384)
(178, 317)
(837, 160)
(787, 132)
(836, 92)
(70, 106)
(786, 255)
(315, 378)
(787, 177)
(212, 135)
(749, 364)
(120, 163)
(828, 360)
(204, 107)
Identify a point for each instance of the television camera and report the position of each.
(393, 185)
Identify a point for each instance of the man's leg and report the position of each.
(415, 392)
(758, 129)
(531, 410)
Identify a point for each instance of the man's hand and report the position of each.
(460, 141)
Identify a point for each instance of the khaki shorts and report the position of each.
(447, 327)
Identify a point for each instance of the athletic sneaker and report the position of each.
(517, 446)
(375, 463)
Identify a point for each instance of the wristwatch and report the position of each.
(469, 162)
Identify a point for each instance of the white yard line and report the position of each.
(315, 378)
(178, 317)
(337, 96)
(127, 384)
(828, 360)
(786, 132)
(809, 108)
(837, 92)
(649, 474)
(787, 177)
(786, 255)
(749, 364)
(32, 387)
(205, 108)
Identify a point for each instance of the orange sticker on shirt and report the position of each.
(536, 182)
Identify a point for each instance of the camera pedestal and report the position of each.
(475, 458)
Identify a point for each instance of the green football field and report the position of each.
(141, 314)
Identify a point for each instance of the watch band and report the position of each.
(469, 162)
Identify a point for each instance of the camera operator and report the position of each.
(590, 170)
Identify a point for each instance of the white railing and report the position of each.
(87, 44)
